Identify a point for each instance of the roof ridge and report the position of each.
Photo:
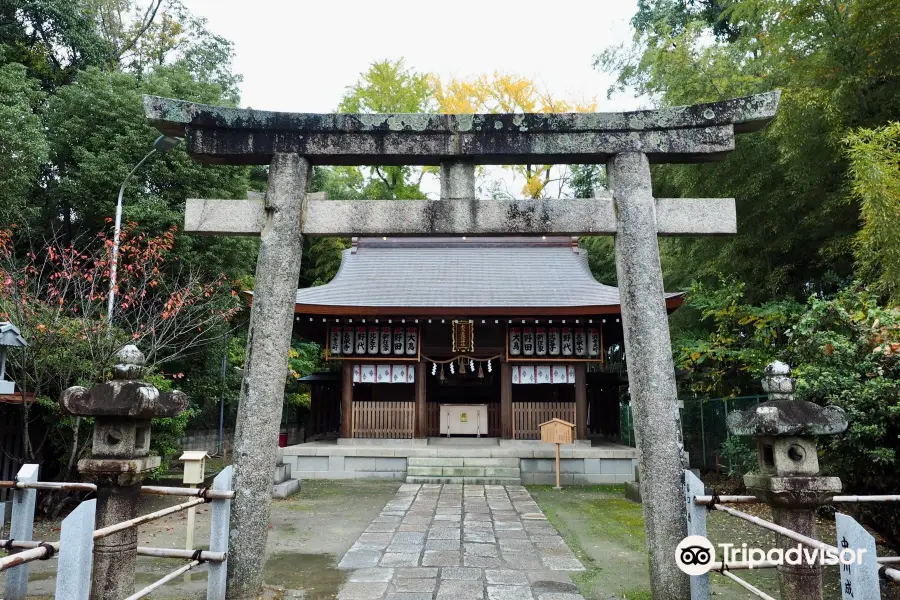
(461, 242)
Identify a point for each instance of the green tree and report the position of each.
(390, 87)
(23, 143)
(71, 127)
(836, 64)
(875, 180)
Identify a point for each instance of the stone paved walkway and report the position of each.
(455, 542)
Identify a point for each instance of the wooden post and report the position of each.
(189, 538)
(580, 401)
(421, 422)
(506, 416)
(347, 400)
(558, 487)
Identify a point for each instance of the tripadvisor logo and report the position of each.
(695, 555)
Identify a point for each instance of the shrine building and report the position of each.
(465, 339)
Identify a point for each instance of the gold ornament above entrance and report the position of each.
(464, 336)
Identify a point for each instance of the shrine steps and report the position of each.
(446, 469)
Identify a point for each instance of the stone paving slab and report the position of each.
(460, 542)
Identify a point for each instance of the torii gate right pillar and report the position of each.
(651, 372)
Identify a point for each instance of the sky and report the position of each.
(299, 56)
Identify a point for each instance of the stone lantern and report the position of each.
(788, 477)
(10, 337)
(120, 460)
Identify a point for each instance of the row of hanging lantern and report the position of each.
(461, 363)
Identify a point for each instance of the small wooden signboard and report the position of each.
(557, 431)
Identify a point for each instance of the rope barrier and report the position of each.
(462, 356)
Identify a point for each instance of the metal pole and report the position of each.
(702, 434)
(220, 451)
(160, 582)
(747, 586)
(113, 267)
(111, 529)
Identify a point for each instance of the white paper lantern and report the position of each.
(399, 340)
(373, 340)
(348, 340)
(515, 341)
(386, 340)
(568, 343)
(580, 342)
(528, 341)
(362, 340)
(594, 342)
(412, 340)
(540, 341)
(334, 341)
(553, 343)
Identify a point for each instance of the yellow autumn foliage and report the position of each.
(506, 93)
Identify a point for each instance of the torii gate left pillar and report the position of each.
(627, 142)
(266, 366)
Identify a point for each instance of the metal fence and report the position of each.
(860, 579)
(77, 534)
(702, 425)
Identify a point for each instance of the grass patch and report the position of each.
(601, 517)
(602, 510)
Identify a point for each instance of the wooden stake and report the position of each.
(557, 468)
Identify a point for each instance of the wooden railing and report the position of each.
(527, 416)
(375, 419)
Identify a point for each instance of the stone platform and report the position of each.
(582, 463)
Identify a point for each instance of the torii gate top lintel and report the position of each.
(227, 135)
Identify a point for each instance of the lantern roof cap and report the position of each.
(787, 418)
(10, 335)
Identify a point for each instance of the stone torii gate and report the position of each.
(626, 142)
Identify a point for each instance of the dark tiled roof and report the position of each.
(455, 273)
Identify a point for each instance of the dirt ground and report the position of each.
(309, 532)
